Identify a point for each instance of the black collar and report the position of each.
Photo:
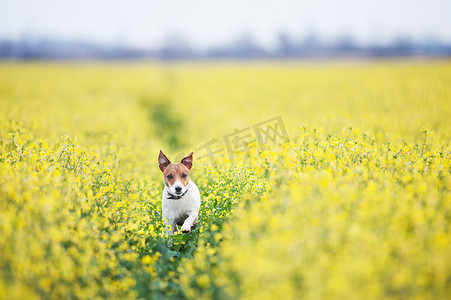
(177, 197)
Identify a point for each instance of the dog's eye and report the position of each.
(170, 176)
(184, 175)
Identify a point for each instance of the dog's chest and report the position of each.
(174, 209)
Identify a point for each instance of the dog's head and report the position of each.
(176, 176)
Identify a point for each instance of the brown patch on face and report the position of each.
(174, 172)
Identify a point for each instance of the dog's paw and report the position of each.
(186, 228)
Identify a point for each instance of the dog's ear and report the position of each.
(163, 161)
(188, 161)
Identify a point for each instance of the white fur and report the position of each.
(174, 209)
(177, 184)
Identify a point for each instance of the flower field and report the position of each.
(318, 181)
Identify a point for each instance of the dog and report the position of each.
(180, 202)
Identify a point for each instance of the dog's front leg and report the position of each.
(174, 227)
(190, 221)
(170, 226)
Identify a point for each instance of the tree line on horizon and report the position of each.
(244, 47)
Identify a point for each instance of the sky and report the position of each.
(147, 23)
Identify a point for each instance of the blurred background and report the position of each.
(201, 29)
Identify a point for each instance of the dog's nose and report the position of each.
(178, 189)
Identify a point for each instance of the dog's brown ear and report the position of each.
(163, 161)
(188, 161)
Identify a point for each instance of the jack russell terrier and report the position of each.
(181, 198)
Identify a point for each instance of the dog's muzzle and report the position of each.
(177, 197)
